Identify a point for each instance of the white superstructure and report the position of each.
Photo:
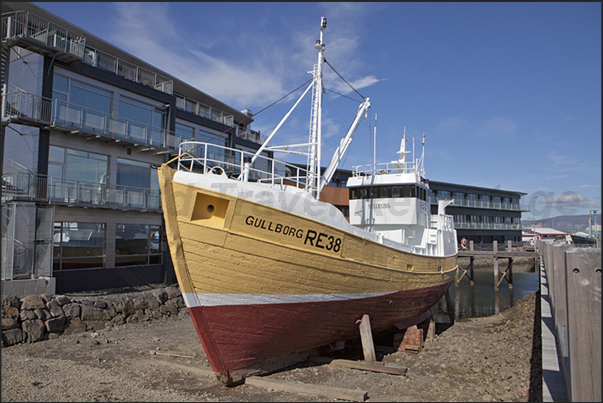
(391, 201)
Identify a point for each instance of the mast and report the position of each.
(316, 117)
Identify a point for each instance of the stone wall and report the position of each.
(41, 317)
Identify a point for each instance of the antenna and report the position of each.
(375, 144)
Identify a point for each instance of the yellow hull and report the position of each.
(240, 262)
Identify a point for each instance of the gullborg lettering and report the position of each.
(316, 239)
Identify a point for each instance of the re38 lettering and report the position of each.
(313, 238)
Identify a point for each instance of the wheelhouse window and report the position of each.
(375, 192)
(78, 245)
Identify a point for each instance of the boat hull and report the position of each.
(262, 284)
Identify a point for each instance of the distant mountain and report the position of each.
(565, 222)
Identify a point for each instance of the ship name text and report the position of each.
(312, 238)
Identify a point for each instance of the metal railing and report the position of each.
(489, 226)
(27, 186)
(251, 135)
(205, 111)
(206, 157)
(130, 71)
(25, 107)
(483, 204)
(26, 25)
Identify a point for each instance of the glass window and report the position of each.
(78, 245)
(90, 97)
(137, 244)
(133, 173)
(56, 154)
(87, 167)
(60, 83)
(185, 132)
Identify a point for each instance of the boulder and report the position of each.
(54, 308)
(55, 325)
(92, 313)
(33, 330)
(72, 310)
(160, 294)
(9, 323)
(173, 292)
(32, 302)
(10, 312)
(12, 337)
(62, 300)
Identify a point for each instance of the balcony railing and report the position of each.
(24, 107)
(251, 135)
(38, 34)
(205, 111)
(483, 204)
(27, 186)
(488, 226)
(128, 70)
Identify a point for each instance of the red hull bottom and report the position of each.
(238, 337)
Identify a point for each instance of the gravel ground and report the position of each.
(480, 359)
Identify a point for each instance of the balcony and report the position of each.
(29, 109)
(484, 204)
(27, 186)
(27, 30)
(487, 226)
(127, 70)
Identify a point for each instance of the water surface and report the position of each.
(482, 299)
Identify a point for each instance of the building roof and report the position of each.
(546, 232)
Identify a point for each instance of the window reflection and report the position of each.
(137, 244)
(78, 245)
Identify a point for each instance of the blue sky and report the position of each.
(508, 95)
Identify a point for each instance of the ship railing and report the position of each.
(383, 168)
(202, 157)
(443, 222)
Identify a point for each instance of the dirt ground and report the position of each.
(481, 359)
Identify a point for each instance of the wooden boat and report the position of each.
(269, 272)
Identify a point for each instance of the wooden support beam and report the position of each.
(355, 395)
(373, 366)
(449, 306)
(366, 336)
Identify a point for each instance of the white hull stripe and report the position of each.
(193, 300)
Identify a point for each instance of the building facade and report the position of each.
(84, 127)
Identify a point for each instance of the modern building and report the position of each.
(84, 127)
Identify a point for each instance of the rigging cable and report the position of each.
(350, 85)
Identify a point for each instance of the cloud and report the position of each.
(245, 70)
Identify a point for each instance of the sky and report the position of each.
(508, 95)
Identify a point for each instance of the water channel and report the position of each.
(482, 298)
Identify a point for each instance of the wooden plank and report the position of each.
(355, 395)
(192, 368)
(153, 352)
(374, 366)
(583, 269)
(366, 336)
